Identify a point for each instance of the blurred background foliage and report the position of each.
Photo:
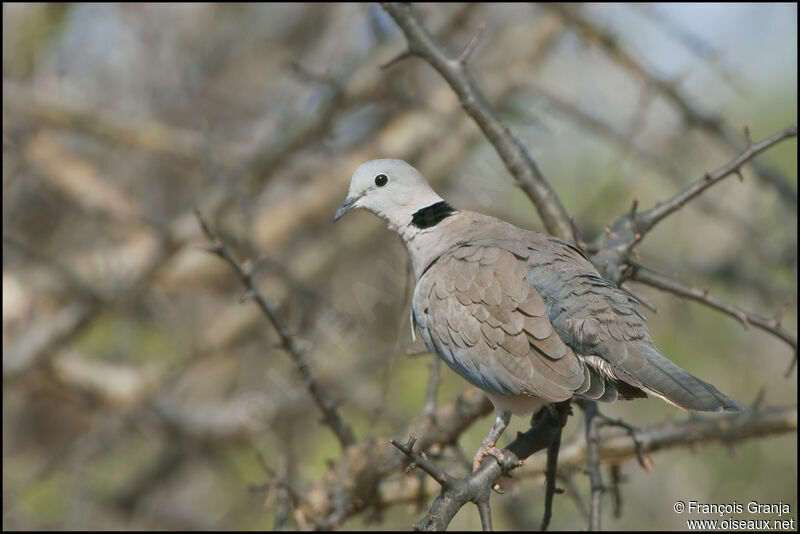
(140, 393)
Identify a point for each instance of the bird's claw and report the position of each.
(487, 449)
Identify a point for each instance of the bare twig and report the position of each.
(473, 42)
(320, 395)
(616, 494)
(613, 246)
(476, 487)
(593, 457)
(645, 462)
(515, 156)
(422, 462)
(660, 281)
(648, 219)
(616, 444)
(372, 461)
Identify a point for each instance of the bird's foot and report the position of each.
(487, 449)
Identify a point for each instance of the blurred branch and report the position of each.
(167, 462)
(432, 391)
(336, 497)
(626, 143)
(70, 278)
(690, 112)
(154, 137)
(515, 156)
(646, 220)
(39, 340)
(320, 395)
(664, 283)
(695, 43)
(41, 337)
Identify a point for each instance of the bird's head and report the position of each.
(391, 189)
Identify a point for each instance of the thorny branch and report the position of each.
(320, 395)
(648, 219)
(593, 463)
(665, 283)
(373, 468)
(611, 249)
(617, 445)
(476, 487)
(516, 157)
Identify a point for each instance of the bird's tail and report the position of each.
(662, 378)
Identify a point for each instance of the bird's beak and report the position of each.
(349, 204)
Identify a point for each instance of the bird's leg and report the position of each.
(488, 445)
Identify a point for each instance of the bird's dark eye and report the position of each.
(381, 180)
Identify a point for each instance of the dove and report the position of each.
(522, 315)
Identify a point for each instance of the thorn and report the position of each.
(745, 320)
(759, 400)
(777, 319)
(747, 136)
(707, 175)
(634, 207)
(647, 464)
(215, 248)
(637, 236)
(247, 267)
(473, 42)
(247, 295)
(607, 229)
(791, 366)
(405, 54)
(739, 174)
(705, 291)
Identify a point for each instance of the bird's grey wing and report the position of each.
(594, 316)
(476, 309)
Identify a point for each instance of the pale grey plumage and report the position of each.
(520, 314)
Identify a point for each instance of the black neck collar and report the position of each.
(432, 215)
